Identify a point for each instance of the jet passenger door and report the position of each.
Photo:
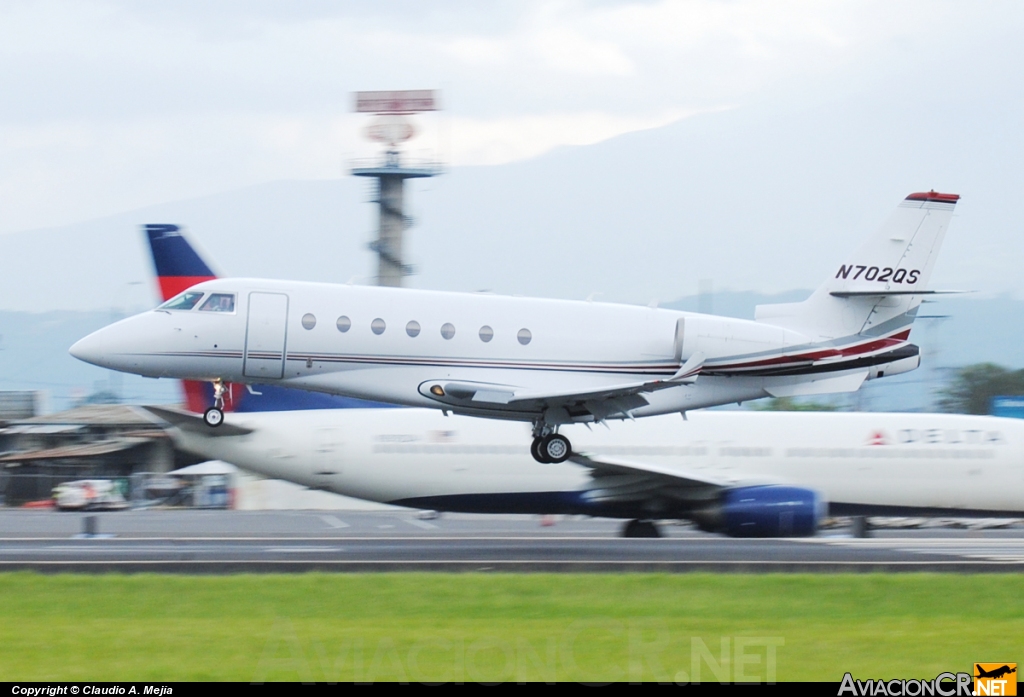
(265, 335)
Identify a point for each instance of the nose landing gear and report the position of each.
(214, 416)
(549, 447)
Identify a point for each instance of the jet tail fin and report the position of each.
(878, 290)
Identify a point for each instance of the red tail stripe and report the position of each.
(172, 285)
(934, 196)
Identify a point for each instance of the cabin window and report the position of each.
(486, 333)
(378, 326)
(413, 328)
(185, 301)
(308, 320)
(524, 336)
(447, 330)
(344, 324)
(219, 302)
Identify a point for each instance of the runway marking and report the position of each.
(1000, 550)
(296, 550)
(333, 521)
(420, 523)
(90, 548)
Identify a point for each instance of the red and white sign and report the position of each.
(390, 129)
(396, 102)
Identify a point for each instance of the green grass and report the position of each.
(495, 627)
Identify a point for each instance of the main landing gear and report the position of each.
(548, 446)
(214, 416)
(640, 528)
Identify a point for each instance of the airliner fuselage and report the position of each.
(663, 467)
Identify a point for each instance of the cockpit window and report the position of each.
(219, 302)
(185, 301)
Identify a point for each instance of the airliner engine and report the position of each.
(763, 511)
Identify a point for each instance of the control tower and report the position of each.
(391, 126)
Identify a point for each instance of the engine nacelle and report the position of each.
(725, 336)
(763, 511)
(900, 365)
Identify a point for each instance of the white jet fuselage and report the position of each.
(550, 362)
(505, 357)
(860, 463)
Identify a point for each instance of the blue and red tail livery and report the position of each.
(178, 268)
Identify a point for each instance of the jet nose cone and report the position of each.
(91, 349)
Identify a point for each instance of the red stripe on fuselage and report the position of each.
(810, 357)
(172, 285)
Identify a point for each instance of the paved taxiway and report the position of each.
(235, 541)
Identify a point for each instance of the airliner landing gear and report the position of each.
(548, 446)
(640, 528)
(214, 416)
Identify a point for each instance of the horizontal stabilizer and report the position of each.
(882, 293)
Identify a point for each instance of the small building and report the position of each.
(20, 404)
(89, 442)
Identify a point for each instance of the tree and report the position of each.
(790, 404)
(973, 387)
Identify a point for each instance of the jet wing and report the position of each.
(623, 480)
(602, 402)
(194, 423)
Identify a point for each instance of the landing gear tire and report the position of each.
(555, 448)
(536, 451)
(640, 528)
(213, 417)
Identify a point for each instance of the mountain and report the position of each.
(764, 198)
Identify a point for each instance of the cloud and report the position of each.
(110, 105)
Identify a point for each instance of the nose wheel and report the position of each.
(551, 448)
(214, 416)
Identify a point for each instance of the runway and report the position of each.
(353, 541)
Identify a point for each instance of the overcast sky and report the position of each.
(109, 106)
